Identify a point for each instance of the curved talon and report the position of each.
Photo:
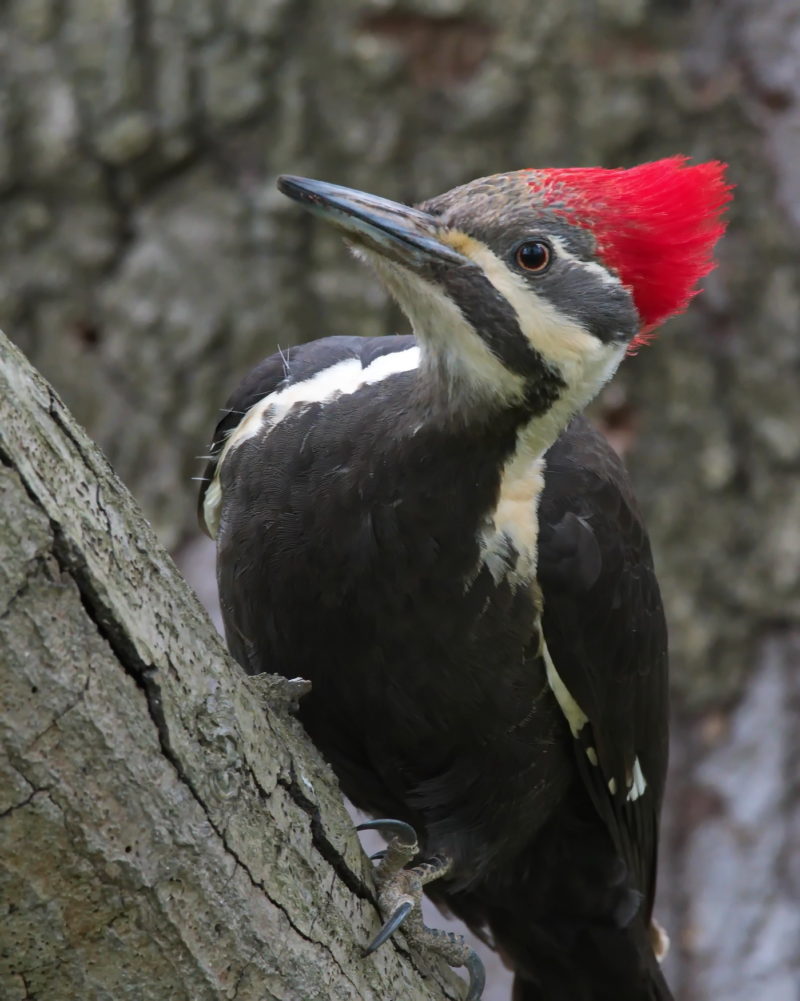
(400, 885)
(391, 926)
(477, 977)
(398, 828)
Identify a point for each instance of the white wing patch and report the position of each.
(575, 716)
(341, 379)
(577, 720)
(637, 784)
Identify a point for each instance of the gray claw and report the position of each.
(477, 977)
(391, 926)
(400, 888)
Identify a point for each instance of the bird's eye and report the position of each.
(534, 256)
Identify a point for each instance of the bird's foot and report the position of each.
(400, 899)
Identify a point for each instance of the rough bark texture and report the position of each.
(164, 833)
(146, 260)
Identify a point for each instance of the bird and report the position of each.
(427, 528)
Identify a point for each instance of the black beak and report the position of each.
(401, 233)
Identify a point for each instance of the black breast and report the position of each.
(349, 555)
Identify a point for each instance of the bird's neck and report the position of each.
(486, 470)
(450, 400)
(537, 433)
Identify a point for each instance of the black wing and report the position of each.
(287, 367)
(605, 631)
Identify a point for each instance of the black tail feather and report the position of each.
(607, 964)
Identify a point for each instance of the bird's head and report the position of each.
(527, 288)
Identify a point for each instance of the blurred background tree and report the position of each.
(146, 260)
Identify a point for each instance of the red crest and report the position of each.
(655, 225)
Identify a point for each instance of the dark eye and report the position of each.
(534, 256)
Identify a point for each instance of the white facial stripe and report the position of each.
(585, 362)
(453, 350)
(340, 379)
(593, 268)
(470, 369)
(557, 337)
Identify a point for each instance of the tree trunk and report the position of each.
(166, 831)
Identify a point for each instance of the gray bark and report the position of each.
(165, 830)
(146, 260)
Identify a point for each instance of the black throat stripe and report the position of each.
(497, 323)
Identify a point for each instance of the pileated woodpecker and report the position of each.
(423, 527)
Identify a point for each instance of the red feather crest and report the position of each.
(655, 225)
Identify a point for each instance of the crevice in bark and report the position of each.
(30, 575)
(72, 565)
(120, 609)
(55, 410)
(60, 715)
(25, 802)
(322, 842)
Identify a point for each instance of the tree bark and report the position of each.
(166, 829)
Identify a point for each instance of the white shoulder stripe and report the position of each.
(340, 379)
